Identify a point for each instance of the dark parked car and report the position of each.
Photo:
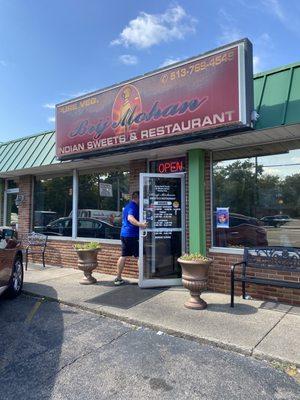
(87, 227)
(275, 220)
(242, 231)
(11, 265)
(42, 219)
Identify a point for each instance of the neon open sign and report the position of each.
(168, 166)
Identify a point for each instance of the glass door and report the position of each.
(162, 205)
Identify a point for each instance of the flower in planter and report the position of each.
(194, 257)
(87, 246)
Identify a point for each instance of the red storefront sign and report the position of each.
(168, 166)
(207, 93)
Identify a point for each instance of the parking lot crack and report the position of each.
(82, 356)
(269, 331)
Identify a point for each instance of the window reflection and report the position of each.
(263, 196)
(52, 206)
(102, 197)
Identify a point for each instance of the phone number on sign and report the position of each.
(200, 66)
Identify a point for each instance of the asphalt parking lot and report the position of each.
(51, 351)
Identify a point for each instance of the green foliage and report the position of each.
(194, 257)
(248, 189)
(89, 191)
(87, 246)
(56, 194)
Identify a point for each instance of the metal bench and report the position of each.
(36, 244)
(267, 258)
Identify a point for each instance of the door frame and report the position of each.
(158, 282)
(5, 202)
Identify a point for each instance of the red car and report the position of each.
(11, 263)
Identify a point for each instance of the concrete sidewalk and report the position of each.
(262, 329)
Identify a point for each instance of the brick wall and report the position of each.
(135, 168)
(25, 209)
(61, 253)
(219, 274)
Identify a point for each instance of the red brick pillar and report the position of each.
(135, 168)
(25, 209)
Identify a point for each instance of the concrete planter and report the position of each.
(194, 278)
(87, 262)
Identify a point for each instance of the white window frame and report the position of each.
(6, 192)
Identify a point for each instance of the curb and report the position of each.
(135, 322)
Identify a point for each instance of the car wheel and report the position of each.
(16, 280)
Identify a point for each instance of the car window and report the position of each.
(60, 224)
(233, 221)
(97, 225)
(87, 224)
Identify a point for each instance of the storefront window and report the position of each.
(52, 206)
(256, 201)
(100, 203)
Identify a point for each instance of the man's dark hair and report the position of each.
(135, 195)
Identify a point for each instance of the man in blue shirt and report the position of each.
(129, 234)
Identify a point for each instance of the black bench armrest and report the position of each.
(236, 264)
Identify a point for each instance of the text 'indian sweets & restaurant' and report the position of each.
(198, 139)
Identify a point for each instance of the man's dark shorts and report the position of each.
(130, 246)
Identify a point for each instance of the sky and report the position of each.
(54, 50)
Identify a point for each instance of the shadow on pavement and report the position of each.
(125, 297)
(238, 309)
(31, 336)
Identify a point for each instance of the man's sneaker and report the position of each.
(119, 282)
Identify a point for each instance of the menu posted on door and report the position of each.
(164, 209)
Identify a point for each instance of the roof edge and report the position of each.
(26, 137)
(275, 70)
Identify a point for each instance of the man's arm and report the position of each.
(135, 222)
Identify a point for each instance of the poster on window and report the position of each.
(105, 190)
(222, 215)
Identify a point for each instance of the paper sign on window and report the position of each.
(222, 216)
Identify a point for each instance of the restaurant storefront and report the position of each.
(197, 140)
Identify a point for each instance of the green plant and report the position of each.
(87, 246)
(194, 257)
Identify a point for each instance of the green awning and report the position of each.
(277, 97)
(28, 152)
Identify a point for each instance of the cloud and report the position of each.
(147, 30)
(169, 61)
(263, 49)
(288, 16)
(51, 106)
(51, 119)
(229, 31)
(275, 8)
(128, 59)
(256, 64)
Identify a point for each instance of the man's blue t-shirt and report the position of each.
(129, 230)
